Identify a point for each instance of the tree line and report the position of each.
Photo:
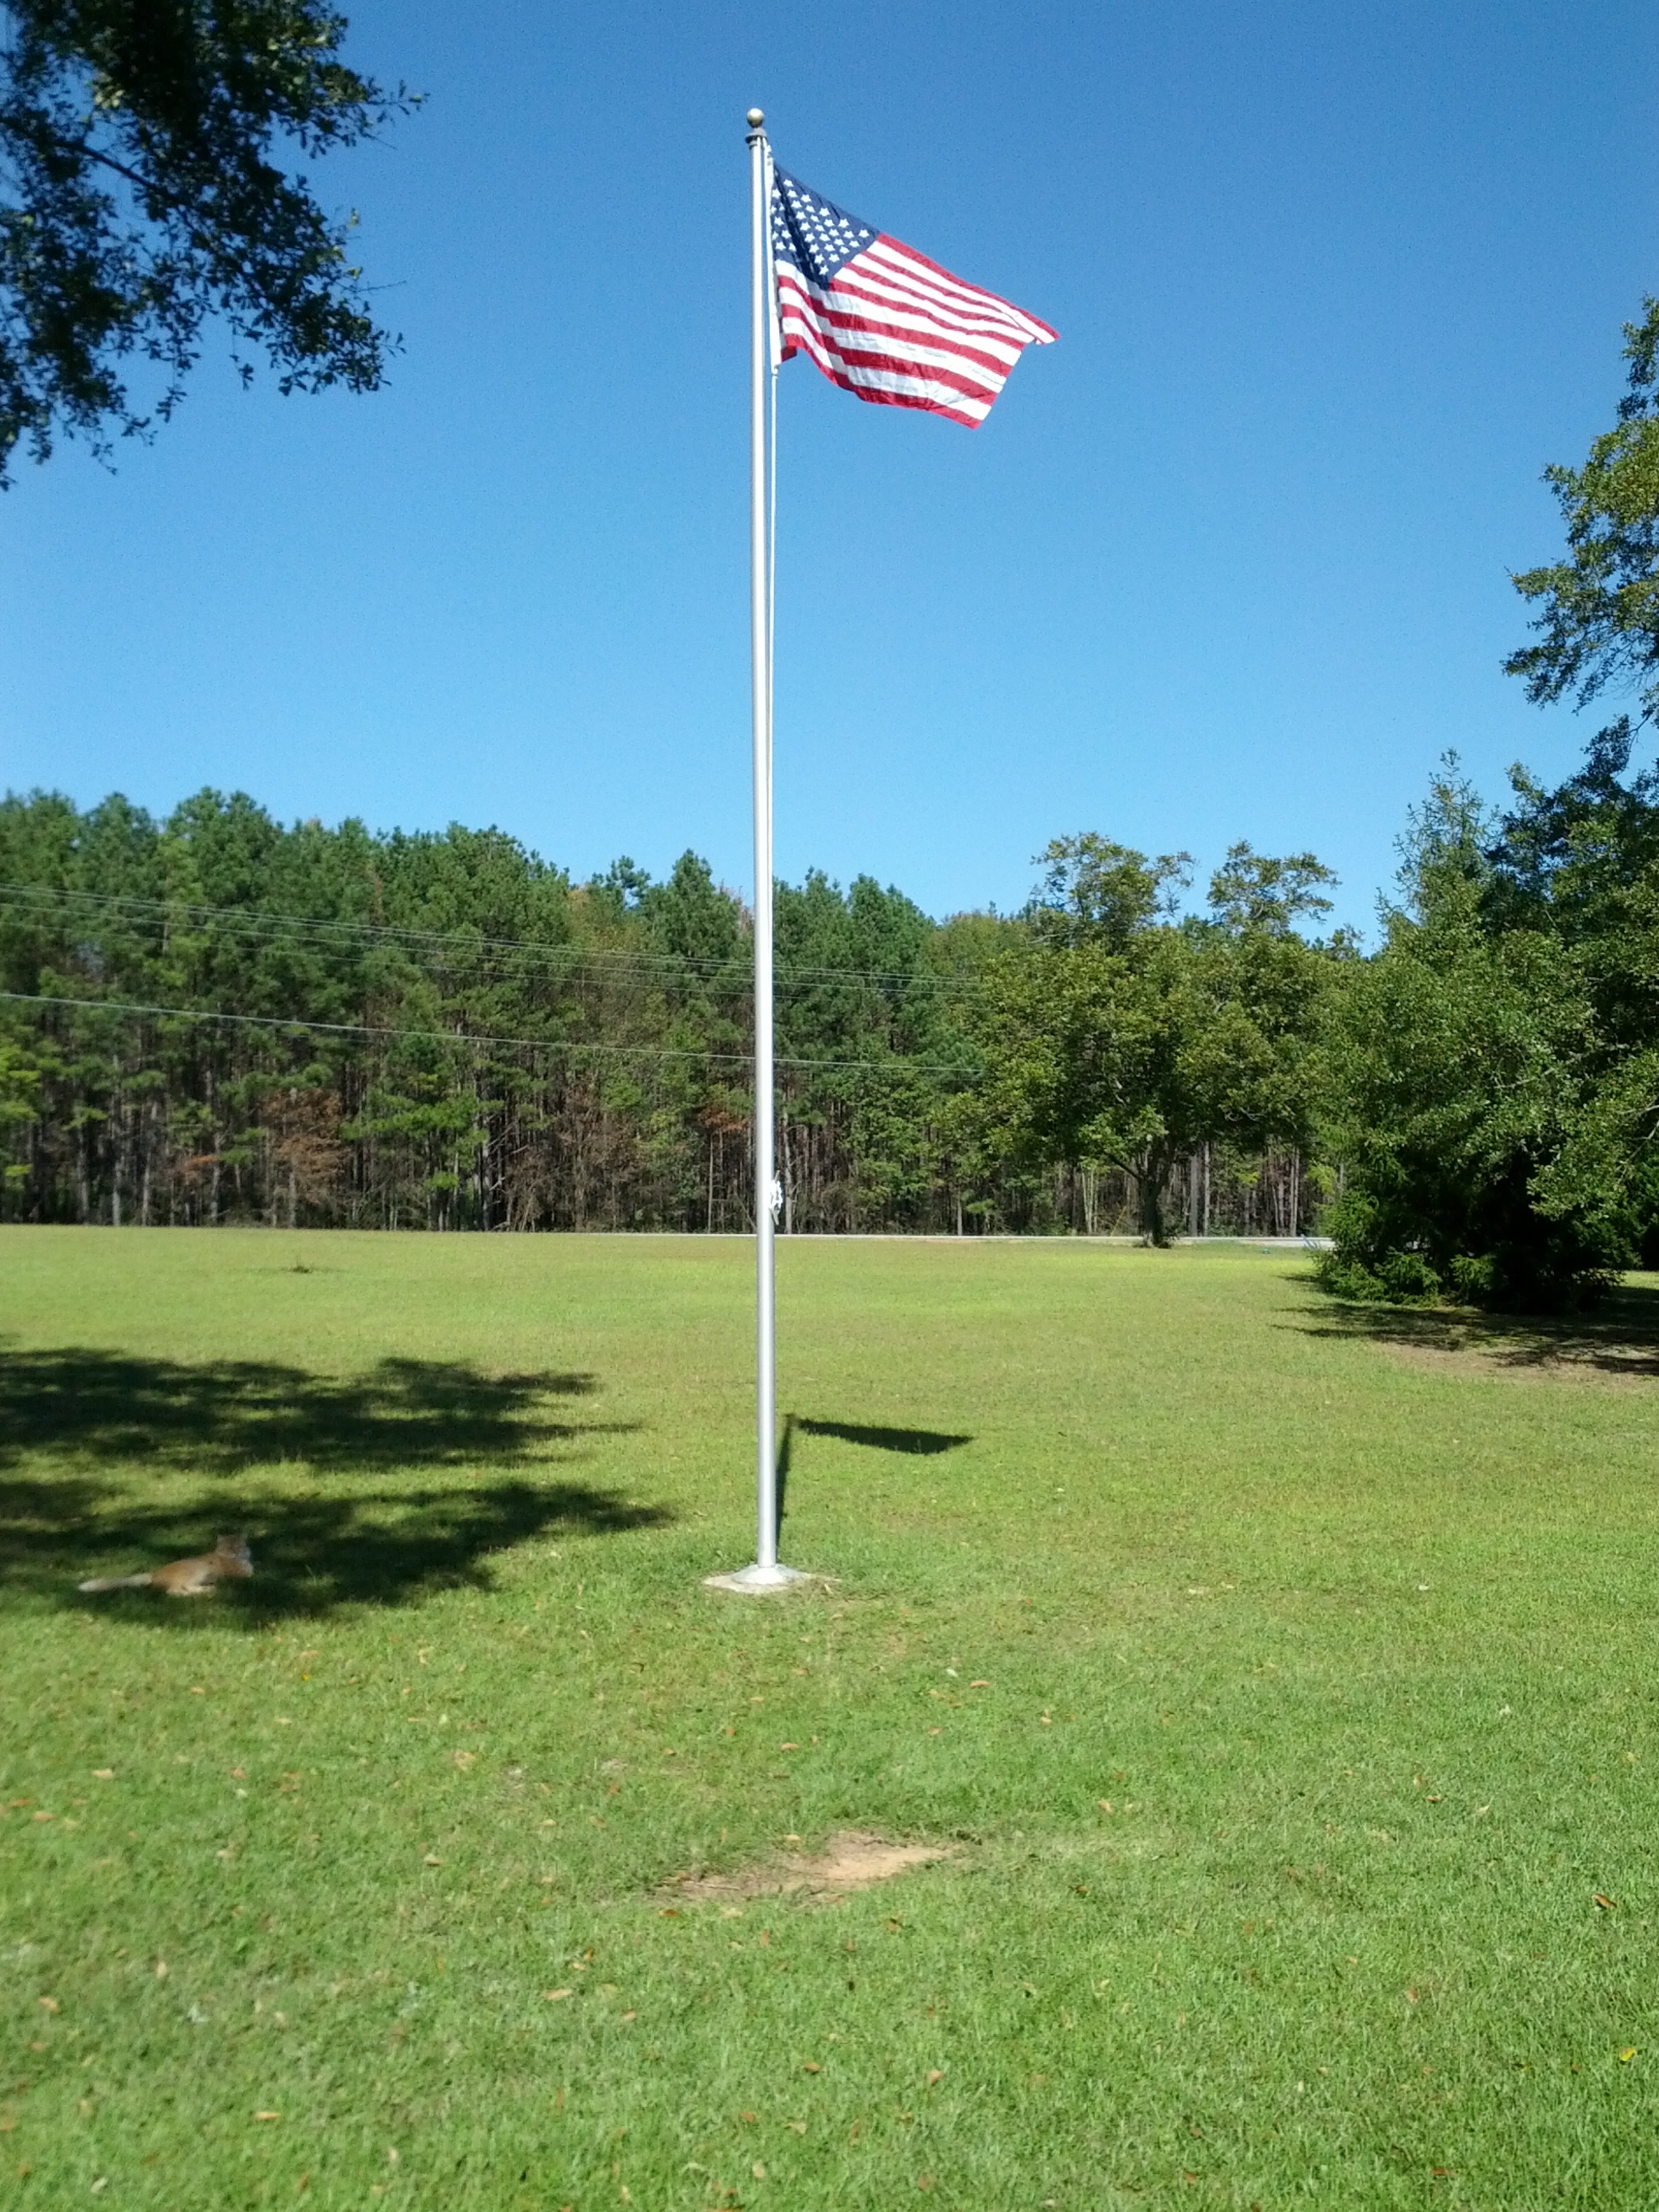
(213, 1018)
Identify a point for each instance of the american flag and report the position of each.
(882, 320)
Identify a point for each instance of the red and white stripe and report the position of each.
(896, 328)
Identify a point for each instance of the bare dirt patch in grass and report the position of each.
(853, 1858)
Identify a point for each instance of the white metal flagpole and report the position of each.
(766, 1573)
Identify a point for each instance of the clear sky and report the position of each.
(1332, 282)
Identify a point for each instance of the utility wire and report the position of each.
(894, 1066)
(254, 921)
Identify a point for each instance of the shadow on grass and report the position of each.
(226, 1414)
(1619, 1337)
(850, 1432)
(311, 1555)
(892, 1440)
(318, 1546)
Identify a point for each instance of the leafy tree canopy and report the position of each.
(1462, 1066)
(1252, 892)
(1599, 609)
(1095, 892)
(148, 182)
(1113, 1037)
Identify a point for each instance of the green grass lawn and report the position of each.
(1283, 1678)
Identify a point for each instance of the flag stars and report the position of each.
(811, 233)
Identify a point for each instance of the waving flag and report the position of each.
(882, 320)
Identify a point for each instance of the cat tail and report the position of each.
(116, 1582)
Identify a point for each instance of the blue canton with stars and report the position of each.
(811, 232)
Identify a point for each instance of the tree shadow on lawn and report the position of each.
(223, 1415)
(388, 1545)
(1618, 1337)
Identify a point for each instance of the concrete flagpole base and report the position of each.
(750, 1582)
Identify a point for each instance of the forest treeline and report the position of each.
(213, 1018)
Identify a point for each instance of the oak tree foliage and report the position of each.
(1116, 1037)
(152, 178)
(1598, 619)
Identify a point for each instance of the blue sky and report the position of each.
(1333, 283)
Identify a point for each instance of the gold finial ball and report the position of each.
(756, 117)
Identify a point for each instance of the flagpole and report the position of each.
(767, 1572)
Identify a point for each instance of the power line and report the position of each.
(894, 1066)
(252, 920)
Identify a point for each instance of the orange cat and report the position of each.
(185, 1577)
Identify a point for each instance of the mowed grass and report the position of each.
(1283, 1677)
